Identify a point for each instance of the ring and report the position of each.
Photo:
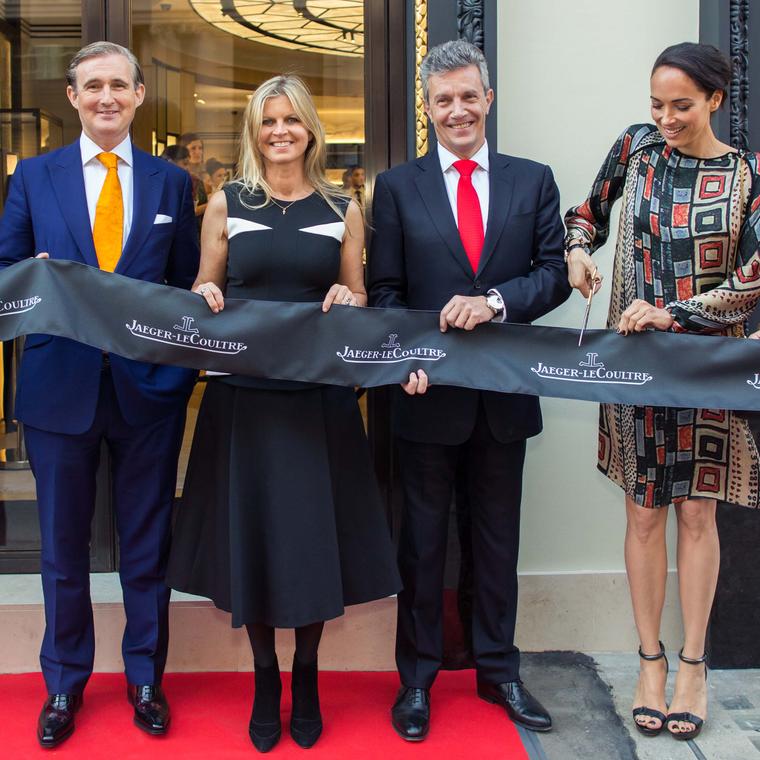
(347, 300)
(203, 291)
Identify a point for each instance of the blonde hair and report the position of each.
(251, 163)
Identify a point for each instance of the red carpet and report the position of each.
(210, 713)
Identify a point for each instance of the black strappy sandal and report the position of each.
(648, 712)
(687, 717)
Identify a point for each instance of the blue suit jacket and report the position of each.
(417, 261)
(46, 210)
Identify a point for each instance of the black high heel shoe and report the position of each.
(265, 728)
(305, 720)
(649, 712)
(687, 717)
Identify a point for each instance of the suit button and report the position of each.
(477, 284)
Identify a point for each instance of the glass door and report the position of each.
(203, 59)
(37, 40)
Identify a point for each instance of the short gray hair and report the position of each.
(97, 49)
(449, 56)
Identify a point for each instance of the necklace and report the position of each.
(284, 208)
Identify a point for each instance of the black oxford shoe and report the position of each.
(521, 706)
(56, 721)
(410, 713)
(151, 708)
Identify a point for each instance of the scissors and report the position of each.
(588, 306)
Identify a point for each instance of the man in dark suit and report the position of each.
(478, 236)
(101, 201)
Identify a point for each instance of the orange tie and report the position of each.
(108, 230)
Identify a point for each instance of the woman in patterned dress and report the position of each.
(686, 261)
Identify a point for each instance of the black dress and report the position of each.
(281, 521)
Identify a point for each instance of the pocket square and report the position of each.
(162, 219)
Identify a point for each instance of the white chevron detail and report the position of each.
(332, 229)
(236, 225)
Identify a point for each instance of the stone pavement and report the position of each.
(589, 696)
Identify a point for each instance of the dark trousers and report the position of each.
(493, 475)
(144, 473)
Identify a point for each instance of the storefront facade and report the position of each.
(201, 60)
(566, 81)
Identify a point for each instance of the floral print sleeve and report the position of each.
(589, 223)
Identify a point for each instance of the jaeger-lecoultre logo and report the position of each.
(592, 371)
(18, 305)
(184, 334)
(390, 352)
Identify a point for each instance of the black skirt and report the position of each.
(281, 520)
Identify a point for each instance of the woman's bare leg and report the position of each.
(646, 563)
(698, 564)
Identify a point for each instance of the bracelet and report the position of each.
(575, 245)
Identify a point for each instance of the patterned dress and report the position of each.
(687, 242)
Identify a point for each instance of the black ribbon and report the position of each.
(372, 347)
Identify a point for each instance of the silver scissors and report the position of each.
(588, 306)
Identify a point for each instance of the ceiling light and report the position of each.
(333, 27)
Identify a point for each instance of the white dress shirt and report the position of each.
(479, 182)
(95, 175)
(479, 179)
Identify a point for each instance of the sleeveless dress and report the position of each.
(688, 241)
(281, 520)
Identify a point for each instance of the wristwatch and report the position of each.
(495, 303)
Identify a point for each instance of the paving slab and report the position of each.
(589, 696)
(732, 729)
(586, 722)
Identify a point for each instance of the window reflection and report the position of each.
(37, 40)
(202, 60)
(200, 71)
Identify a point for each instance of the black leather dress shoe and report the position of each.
(151, 708)
(410, 713)
(521, 706)
(56, 721)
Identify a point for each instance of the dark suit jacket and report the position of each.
(47, 211)
(417, 261)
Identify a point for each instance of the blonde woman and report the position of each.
(281, 522)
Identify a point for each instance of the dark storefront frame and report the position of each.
(733, 639)
(385, 126)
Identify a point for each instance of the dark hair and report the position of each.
(189, 137)
(175, 153)
(213, 165)
(705, 65)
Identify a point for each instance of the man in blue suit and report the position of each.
(102, 202)
(477, 236)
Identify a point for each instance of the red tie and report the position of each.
(469, 216)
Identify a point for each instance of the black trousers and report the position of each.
(493, 475)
